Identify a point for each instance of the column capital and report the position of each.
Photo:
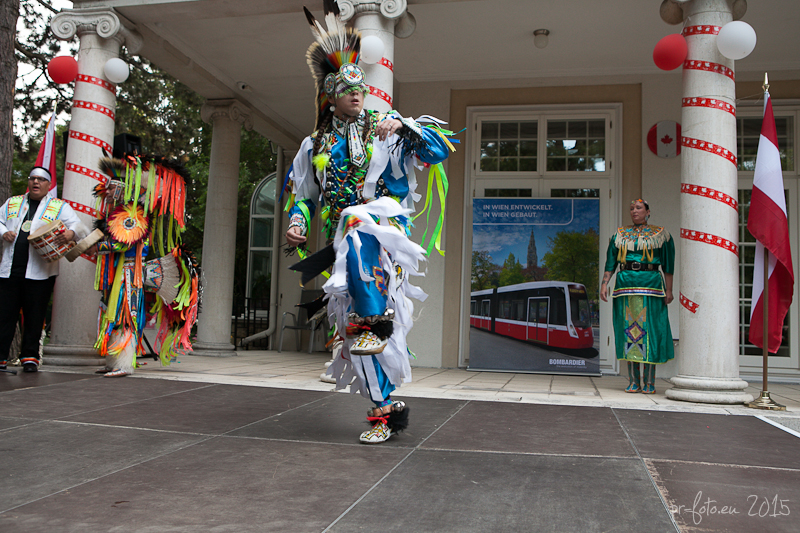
(227, 108)
(672, 11)
(104, 22)
(396, 10)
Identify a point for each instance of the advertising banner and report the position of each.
(535, 282)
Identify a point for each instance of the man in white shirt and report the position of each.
(26, 280)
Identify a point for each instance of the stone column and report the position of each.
(385, 19)
(91, 129)
(219, 236)
(708, 364)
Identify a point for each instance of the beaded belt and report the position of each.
(636, 266)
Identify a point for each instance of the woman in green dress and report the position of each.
(641, 324)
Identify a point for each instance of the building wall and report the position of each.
(437, 337)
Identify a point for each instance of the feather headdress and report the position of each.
(333, 59)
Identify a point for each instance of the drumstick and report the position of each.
(8, 371)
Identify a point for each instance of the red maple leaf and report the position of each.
(666, 139)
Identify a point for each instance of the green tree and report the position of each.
(511, 273)
(573, 256)
(483, 270)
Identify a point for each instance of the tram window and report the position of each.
(581, 316)
(558, 312)
(519, 310)
(485, 308)
(473, 307)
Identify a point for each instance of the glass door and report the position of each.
(538, 320)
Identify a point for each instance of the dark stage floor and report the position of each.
(85, 454)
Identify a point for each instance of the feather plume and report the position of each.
(115, 168)
(334, 47)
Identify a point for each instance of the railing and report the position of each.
(250, 316)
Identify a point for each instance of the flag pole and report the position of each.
(764, 401)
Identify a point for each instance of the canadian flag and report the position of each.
(664, 139)
(47, 153)
(767, 222)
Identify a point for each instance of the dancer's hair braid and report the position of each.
(326, 120)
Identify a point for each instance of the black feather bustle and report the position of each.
(316, 263)
(313, 306)
(398, 420)
(101, 224)
(382, 329)
(410, 140)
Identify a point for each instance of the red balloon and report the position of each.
(670, 52)
(63, 69)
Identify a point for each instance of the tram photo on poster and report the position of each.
(535, 285)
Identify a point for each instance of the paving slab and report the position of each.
(211, 409)
(48, 457)
(7, 423)
(702, 438)
(340, 418)
(463, 492)
(70, 397)
(547, 429)
(221, 485)
(25, 380)
(725, 498)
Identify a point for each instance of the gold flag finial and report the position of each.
(766, 83)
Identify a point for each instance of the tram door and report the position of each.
(538, 319)
(486, 315)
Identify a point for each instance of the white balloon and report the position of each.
(736, 40)
(371, 49)
(116, 70)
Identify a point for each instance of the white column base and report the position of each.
(213, 349)
(71, 355)
(708, 390)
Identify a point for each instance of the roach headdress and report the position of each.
(333, 59)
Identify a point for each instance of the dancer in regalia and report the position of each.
(360, 165)
(641, 325)
(142, 207)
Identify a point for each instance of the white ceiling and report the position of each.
(212, 44)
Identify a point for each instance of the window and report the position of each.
(262, 218)
(576, 145)
(748, 131)
(538, 141)
(509, 146)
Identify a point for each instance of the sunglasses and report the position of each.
(36, 178)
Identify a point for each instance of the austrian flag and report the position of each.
(767, 222)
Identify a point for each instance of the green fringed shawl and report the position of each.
(645, 238)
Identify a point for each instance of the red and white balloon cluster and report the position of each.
(735, 41)
(64, 69)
